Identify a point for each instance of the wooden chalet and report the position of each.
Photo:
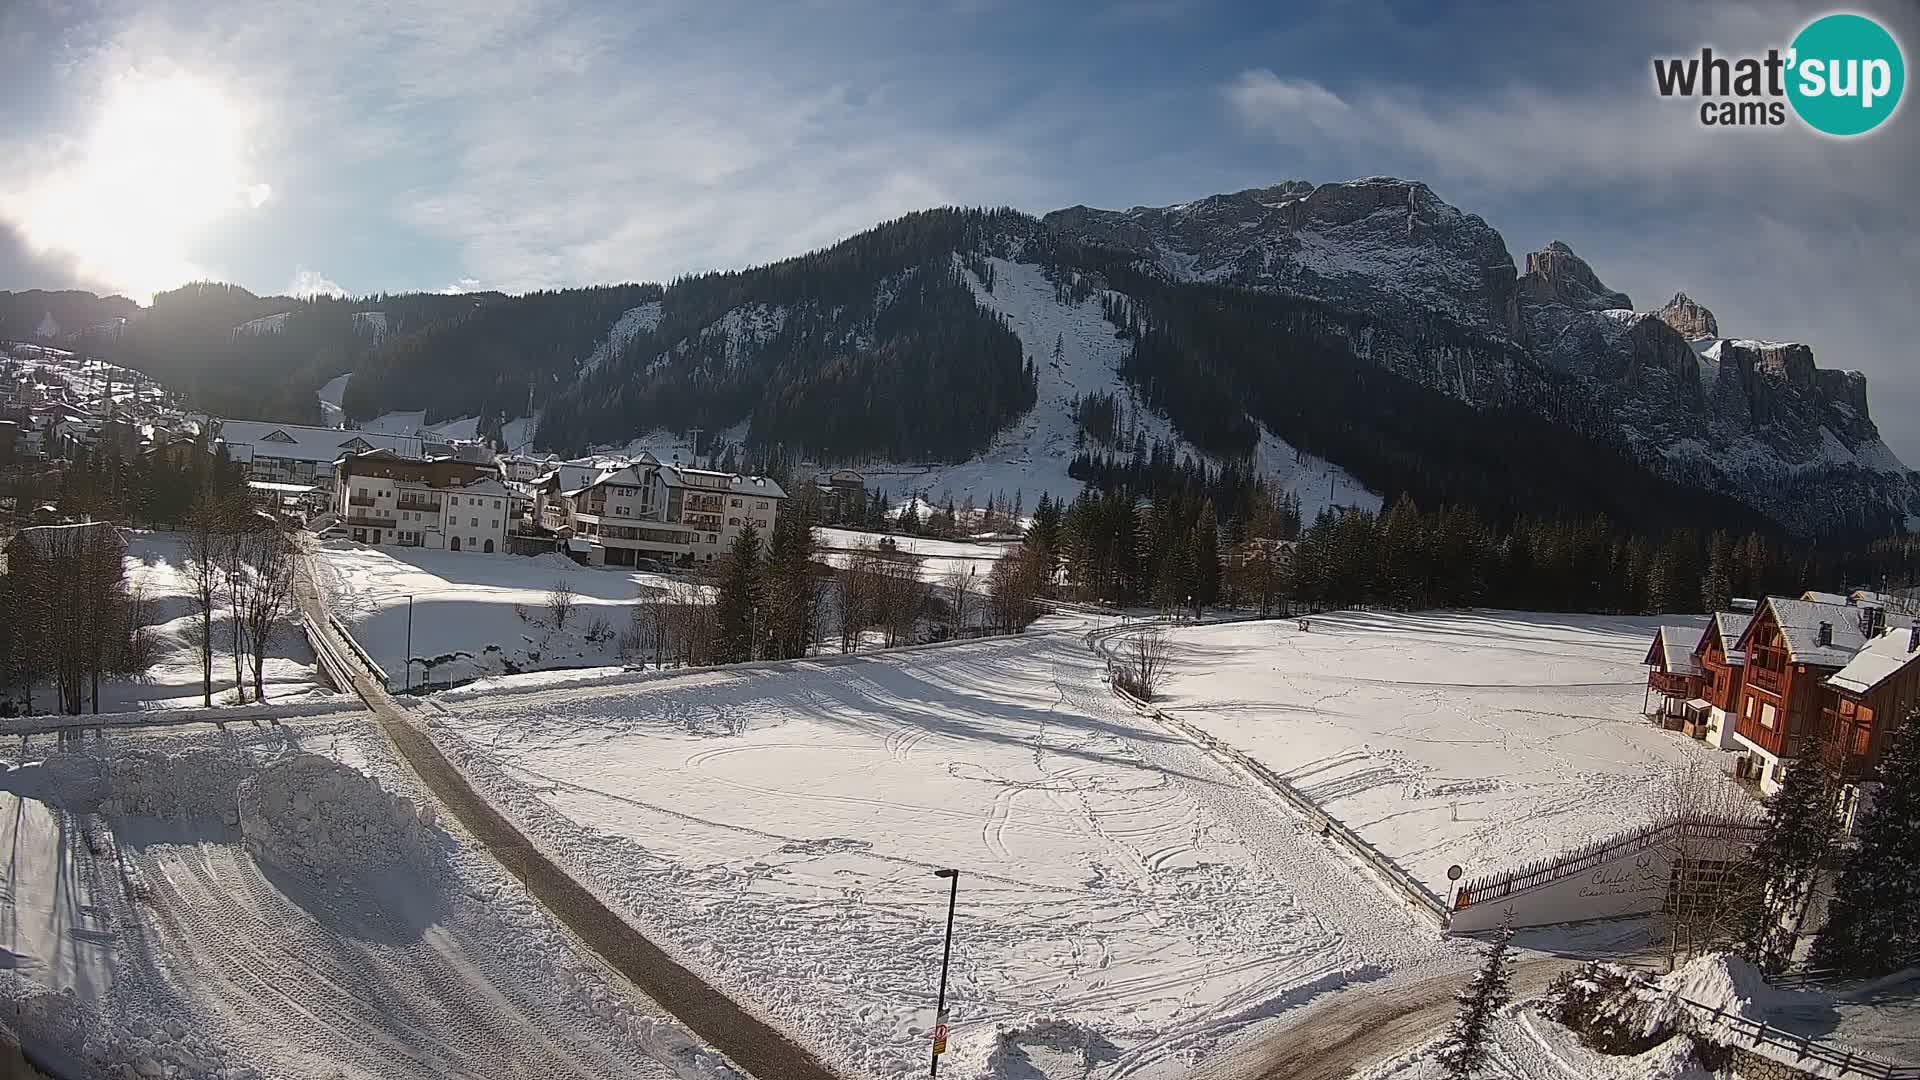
(1674, 674)
(1791, 647)
(1868, 699)
(1722, 675)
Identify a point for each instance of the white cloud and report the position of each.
(461, 285)
(307, 284)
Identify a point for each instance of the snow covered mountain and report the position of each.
(1758, 420)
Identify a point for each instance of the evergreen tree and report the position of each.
(1716, 591)
(1800, 830)
(1873, 924)
(737, 607)
(1469, 1038)
(1205, 547)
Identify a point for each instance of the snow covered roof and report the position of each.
(299, 442)
(1883, 658)
(1814, 596)
(1800, 622)
(484, 486)
(1731, 626)
(708, 479)
(1673, 649)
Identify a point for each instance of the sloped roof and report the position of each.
(1731, 626)
(1814, 596)
(316, 444)
(1673, 649)
(1799, 622)
(47, 538)
(1882, 658)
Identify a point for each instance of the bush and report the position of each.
(1612, 1009)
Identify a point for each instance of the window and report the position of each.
(472, 540)
(712, 539)
(736, 503)
(761, 505)
(1767, 716)
(495, 524)
(496, 504)
(473, 523)
(733, 521)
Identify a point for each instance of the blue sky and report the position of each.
(518, 144)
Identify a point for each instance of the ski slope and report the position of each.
(777, 828)
(244, 905)
(1483, 738)
(1032, 456)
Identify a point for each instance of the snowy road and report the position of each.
(777, 829)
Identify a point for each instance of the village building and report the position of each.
(1674, 675)
(299, 454)
(1791, 648)
(1869, 698)
(381, 497)
(622, 514)
(1722, 675)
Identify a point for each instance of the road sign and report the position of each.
(1454, 872)
(940, 1034)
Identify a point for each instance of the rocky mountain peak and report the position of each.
(1556, 276)
(1684, 314)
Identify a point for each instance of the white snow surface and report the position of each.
(243, 904)
(631, 324)
(1528, 1045)
(776, 827)
(415, 423)
(157, 570)
(265, 324)
(938, 558)
(1483, 738)
(332, 414)
(464, 608)
(1031, 457)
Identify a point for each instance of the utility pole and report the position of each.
(940, 1010)
(693, 436)
(407, 679)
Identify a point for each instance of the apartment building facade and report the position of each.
(380, 497)
(620, 515)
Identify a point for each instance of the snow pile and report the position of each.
(310, 812)
(66, 1031)
(1725, 982)
(137, 781)
(1034, 1047)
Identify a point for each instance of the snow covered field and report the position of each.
(937, 557)
(464, 608)
(1121, 895)
(250, 903)
(156, 568)
(1484, 738)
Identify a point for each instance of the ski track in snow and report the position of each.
(779, 833)
(209, 958)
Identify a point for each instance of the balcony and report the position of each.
(705, 504)
(1674, 684)
(1768, 679)
(359, 500)
(418, 504)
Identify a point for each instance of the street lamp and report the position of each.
(940, 1011)
(407, 679)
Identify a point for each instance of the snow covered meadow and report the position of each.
(476, 615)
(1484, 738)
(777, 828)
(279, 901)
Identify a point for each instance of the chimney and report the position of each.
(1826, 634)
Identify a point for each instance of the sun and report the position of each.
(164, 157)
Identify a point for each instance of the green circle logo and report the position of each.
(1846, 74)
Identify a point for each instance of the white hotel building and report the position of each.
(619, 514)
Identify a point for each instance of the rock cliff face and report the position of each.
(1758, 420)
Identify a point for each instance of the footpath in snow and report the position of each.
(283, 903)
(1483, 738)
(1124, 901)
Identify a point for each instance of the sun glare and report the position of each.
(164, 158)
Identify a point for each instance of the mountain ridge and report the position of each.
(889, 347)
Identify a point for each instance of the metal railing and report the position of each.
(1760, 1037)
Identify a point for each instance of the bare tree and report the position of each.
(266, 597)
(231, 554)
(561, 599)
(1012, 586)
(962, 586)
(1145, 663)
(857, 589)
(204, 579)
(1711, 878)
(900, 597)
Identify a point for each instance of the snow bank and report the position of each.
(68, 1032)
(1024, 1049)
(1728, 983)
(312, 813)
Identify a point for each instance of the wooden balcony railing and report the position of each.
(1675, 684)
(1766, 678)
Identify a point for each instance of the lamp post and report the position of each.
(407, 679)
(940, 1010)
